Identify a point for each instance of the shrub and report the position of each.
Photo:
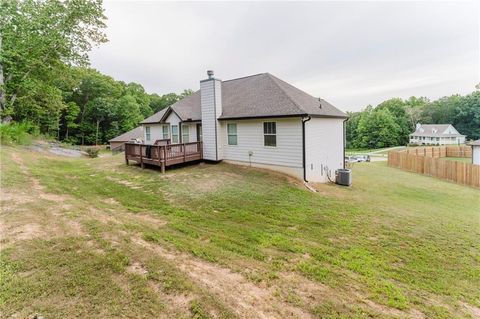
(17, 133)
(92, 151)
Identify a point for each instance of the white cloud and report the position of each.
(350, 53)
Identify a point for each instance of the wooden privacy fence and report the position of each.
(429, 161)
(441, 151)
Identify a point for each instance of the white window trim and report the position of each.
(276, 135)
(183, 132)
(177, 135)
(236, 134)
(163, 132)
(148, 134)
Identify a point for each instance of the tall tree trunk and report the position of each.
(96, 133)
(2, 83)
(82, 117)
(66, 134)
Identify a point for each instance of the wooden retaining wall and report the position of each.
(430, 161)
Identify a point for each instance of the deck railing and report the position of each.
(163, 155)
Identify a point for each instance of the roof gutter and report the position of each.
(304, 120)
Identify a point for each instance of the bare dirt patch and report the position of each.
(245, 298)
(137, 268)
(472, 310)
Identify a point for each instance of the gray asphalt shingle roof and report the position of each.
(155, 118)
(128, 136)
(435, 130)
(475, 143)
(260, 95)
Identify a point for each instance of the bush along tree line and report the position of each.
(390, 122)
(45, 79)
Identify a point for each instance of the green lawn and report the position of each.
(97, 238)
(459, 159)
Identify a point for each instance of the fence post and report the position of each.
(126, 153)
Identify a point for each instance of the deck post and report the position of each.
(126, 153)
(164, 159)
(184, 153)
(141, 157)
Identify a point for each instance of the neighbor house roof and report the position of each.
(435, 130)
(260, 95)
(475, 143)
(155, 118)
(130, 135)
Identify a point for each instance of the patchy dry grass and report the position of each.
(96, 238)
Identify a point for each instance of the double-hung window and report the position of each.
(270, 134)
(165, 132)
(232, 133)
(174, 134)
(148, 136)
(185, 133)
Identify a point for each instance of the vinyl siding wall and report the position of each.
(476, 155)
(288, 151)
(211, 105)
(323, 148)
(155, 133)
(156, 130)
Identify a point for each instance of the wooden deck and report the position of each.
(163, 155)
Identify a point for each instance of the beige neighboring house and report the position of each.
(475, 152)
(117, 143)
(436, 134)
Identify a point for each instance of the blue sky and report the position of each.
(349, 53)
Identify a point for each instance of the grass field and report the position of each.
(96, 238)
(459, 159)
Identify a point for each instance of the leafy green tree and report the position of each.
(377, 129)
(141, 97)
(467, 116)
(128, 113)
(70, 114)
(38, 39)
(351, 127)
(397, 108)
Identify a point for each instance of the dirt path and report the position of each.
(246, 299)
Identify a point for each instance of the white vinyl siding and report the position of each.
(155, 133)
(232, 134)
(323, 148)
(175, 134)
(250, 138)
(211, 107)
(476, 155)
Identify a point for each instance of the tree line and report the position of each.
(391, 122)
(45, 79)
